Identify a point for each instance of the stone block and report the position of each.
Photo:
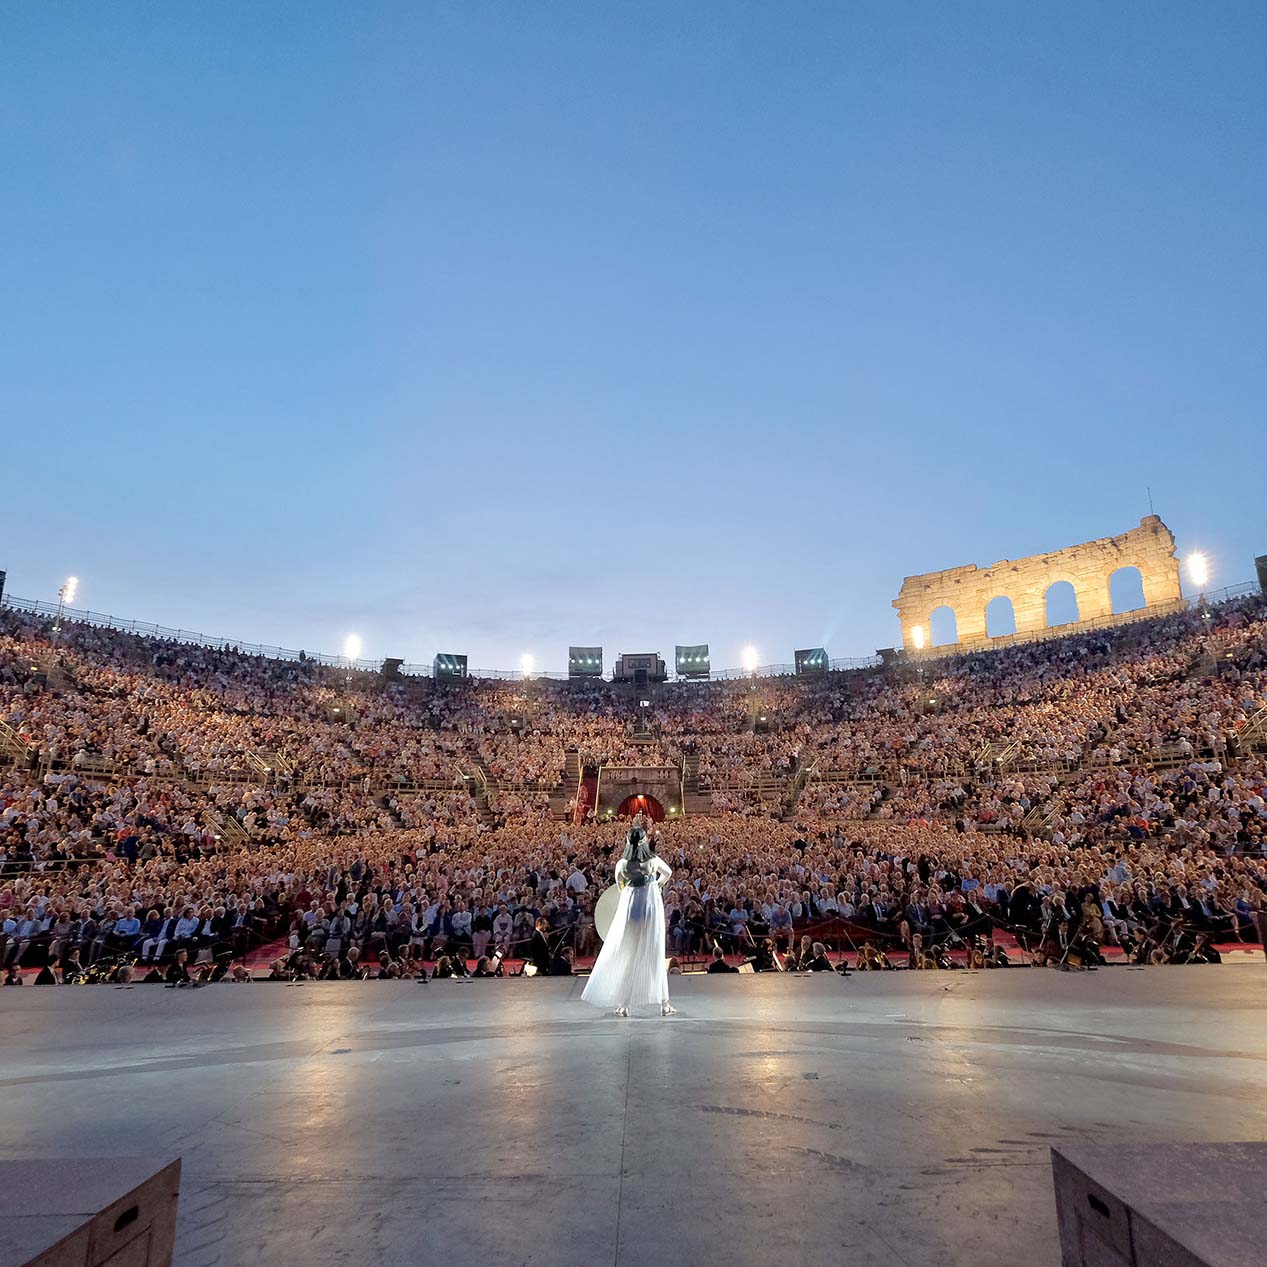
(97, 1212)
(1161, 1205)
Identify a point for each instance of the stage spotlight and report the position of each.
(1198, 569)
(749, 659)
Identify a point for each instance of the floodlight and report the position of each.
(525, 663)
(1198, 569)
(810, 660)
(918, 635)
(585, 662)
(69, 589)
(692, 661)
(749, 659)
(352, 647)
(448, 667)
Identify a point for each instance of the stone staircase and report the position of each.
(770, 789)
(644, 729)
(479, 782)
(754, 710)
(56, 674)
(697, 804)
(694, 800)
(796, 785)
(386, 802)
(1041, 814)
(563, 800)
(1202, 665)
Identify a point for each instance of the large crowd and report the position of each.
(178, 806)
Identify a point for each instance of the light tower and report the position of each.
(65, 596)
(352, 646)
(1199, 574)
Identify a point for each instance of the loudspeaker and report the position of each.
(391, 667)
(1260, 563)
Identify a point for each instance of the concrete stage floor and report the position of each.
(896, 1118)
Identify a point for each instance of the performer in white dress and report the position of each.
(631, 968)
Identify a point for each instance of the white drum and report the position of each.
(605, 910)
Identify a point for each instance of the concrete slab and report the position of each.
(891, 1118)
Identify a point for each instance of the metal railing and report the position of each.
(12, 742)
(190, 637)
(842, 664)
(164, 633)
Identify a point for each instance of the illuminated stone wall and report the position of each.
(1088, 567)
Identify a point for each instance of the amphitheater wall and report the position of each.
(1088, 567)
(617, 783)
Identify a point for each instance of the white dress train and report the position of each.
(631, 968)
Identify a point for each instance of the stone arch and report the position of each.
(943, 626)
(1060, 604)
(1000, 617)
(1026, 581)
(1126, 589)
(642, 804)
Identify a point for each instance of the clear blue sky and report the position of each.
(491, 327)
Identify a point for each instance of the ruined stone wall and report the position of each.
(968, 590)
